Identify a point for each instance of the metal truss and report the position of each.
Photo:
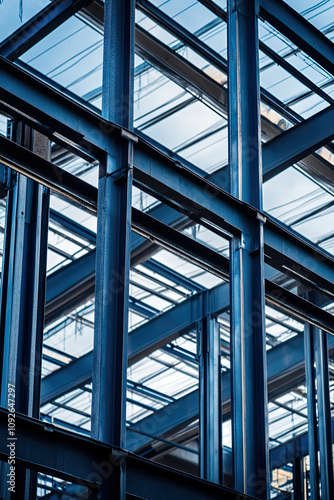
(267, 261)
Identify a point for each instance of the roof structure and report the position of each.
(166, 246)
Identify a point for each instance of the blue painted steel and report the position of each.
(298, 479)
(23, 291)
(113, 240)
(72, 226)
(324, 414)
(248, 341)
(285, 371)
(88, 122)
(313, 445)
(300, 31)
(39, 26)
(210, 404)
(297, 142)
(182, 34)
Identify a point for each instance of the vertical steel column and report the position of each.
(311, 410)
(249, 380)
(210, 398)
(23, 292)
(324, 414)
(113, 239)
(298, 479)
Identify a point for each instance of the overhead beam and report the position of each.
(296, 447)
(181, 71)
(39, 26)
(286, 369)
(43, 171)
(190, 191)
(297, 142)
(154, 171)
(300, 31)
(143, 340)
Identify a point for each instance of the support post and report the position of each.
(210, 398)
(248, 341)
(324, 415)
(309, 332)
(113, 240)
(23, 293)
(298, 479)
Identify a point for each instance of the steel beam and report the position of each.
(291, 253)
(288, 451)
(285, 371)
(313, 445)
(300, 31)
(248, 338)
(189, 194)
(90, 463)
(210, 407)
(39, 26)
(143, 340)
(324, 414)
(22, 294)
(90, 122)
(297, 142)
(43, 171)
(298, 479)
(113, 239)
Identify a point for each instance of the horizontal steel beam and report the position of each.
(285, 250)
(183, 186)
(301, 32)
(37, 168)
(205, 200)
(156, 333)
(142, 341)
(296, 447)
(39, 26)
(286, 369)
(297, 142)
(184, 246)
(90, 463)
(58, 113)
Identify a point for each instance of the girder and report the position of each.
(227, 202)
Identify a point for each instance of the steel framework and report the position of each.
(267, 263)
